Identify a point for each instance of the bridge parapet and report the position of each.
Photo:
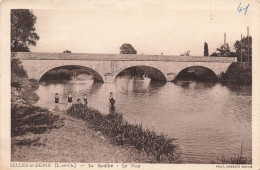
(121, 57)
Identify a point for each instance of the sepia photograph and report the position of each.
(166, 82)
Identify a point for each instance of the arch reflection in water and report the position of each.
(195, 85)
(130, 84)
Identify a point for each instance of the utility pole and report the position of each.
(241, 49)
(248, 43)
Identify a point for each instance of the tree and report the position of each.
(232, 54)
(22, 36)
(246, 49)
(206, 49)
(224, 50)
(186, 53)
(214, 54)
(127, 49)
(23, 30)
(67, 51)
(17, 70)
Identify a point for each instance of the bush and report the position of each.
(32, 119)
(238, 73)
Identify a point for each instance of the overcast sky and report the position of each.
(165, 26)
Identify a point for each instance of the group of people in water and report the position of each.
(85, 99)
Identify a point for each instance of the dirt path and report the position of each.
(75, 142)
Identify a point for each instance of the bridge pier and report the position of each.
(170, 76)
(109, 78)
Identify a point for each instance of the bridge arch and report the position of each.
(78, 69)
(197, 73)
(153, 72)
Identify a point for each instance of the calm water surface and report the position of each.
(208, 120)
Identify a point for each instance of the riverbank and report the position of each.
(120, 132)
(73, 142)
(238, 73)
(40, 135)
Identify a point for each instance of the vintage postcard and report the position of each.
(130, 84)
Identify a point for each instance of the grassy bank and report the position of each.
(121, 132)
(238, 73)
(38, 135)
(75, 141)
(237, 159)
(32, 119)
(28, 119)
(26, 94)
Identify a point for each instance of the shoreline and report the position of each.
(120, 132)
(74, 142)
(61, 138)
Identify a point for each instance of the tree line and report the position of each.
(243, 50)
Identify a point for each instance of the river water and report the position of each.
(208, 120)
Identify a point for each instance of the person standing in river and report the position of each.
(85, 99)
(70, 99)
(112, 100)
(57, 97)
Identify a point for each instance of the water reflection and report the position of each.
(195, 85)
(112, 109)
(208, 119)
(240, 89)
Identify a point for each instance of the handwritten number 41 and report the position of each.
(240, 8)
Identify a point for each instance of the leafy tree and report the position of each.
(224, 50)
(127, 49)
(23, 30)
(206, 49)
(67, 51)
(22, 36)
(17, 70)
(186, 53)
(246, 49)
(214, 54)
(232, 54)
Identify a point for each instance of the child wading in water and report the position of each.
(112, 103)
(57, 97)
(69, 99)
(85, 99)
(111, 100)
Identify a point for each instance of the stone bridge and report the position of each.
(108, 66)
